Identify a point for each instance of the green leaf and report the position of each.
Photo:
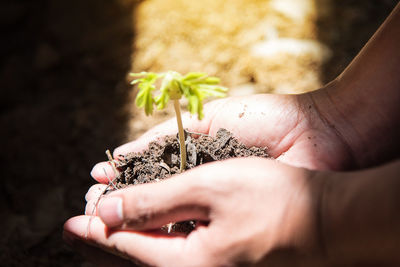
(162, 99)
(194, 76)
(144, 97)
(193, 104)
(212, 90)
(135, 81)
(137, 74)
(195, 86)
(149, 103)
(211, 80)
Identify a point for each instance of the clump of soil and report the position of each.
(161, 160)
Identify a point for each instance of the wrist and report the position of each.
(359, 219)
(306, 235)
(365, 126)
(361, 105)
(336, 114)
(298, 238)
(318, 181)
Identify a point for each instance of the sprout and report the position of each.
(195, 86)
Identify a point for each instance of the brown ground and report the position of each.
(162, 159)
(64, 97)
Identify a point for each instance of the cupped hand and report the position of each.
(290, 127)
(250, 211)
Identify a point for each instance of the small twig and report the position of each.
(109, 180)
(111, 160)
(93, 211)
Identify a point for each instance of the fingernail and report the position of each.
(110, 211)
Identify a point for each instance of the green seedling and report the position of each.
(195, 86)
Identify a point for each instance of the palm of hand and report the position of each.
(288, 125)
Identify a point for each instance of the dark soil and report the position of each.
(162, 160)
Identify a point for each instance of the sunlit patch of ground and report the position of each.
(254, 46)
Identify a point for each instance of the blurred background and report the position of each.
(65, 96)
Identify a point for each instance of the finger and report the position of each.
(102, 172)
(95, 191)
(153, 250)
(150, 206)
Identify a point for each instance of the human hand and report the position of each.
(250, 212)
(288, 125)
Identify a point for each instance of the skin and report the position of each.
(305, 208)
(233, 208)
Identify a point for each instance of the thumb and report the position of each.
(150, 206)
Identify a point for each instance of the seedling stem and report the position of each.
(195, 86)
(181, 134)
